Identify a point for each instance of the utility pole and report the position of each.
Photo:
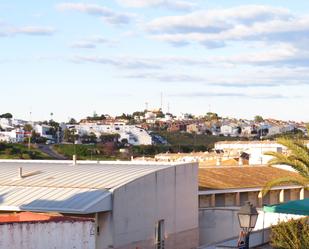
(29, 143)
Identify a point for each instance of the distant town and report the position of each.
(142, 133)
(209, 167)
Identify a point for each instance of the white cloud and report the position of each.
(278, 55)
(262, 95)
(169, 4)
(214, 28)
(107, 14)
(82, 44)
(7, 30)
(92, 42)
(122, 62)
(33, 30)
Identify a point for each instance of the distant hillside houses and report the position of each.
(136, 128)
(12, 130)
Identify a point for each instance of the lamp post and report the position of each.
(247, 217)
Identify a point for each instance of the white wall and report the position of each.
(219, 224)
(256, 150)
(170, 194)
(47, 235)
(134, 134)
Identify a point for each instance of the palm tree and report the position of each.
(297, 157)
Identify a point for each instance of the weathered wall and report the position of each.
(47, 235)
(219, 224)
(171, 195)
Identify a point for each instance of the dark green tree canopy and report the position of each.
(258, 119)
(6, 115)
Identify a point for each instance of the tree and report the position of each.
(95, 117)
(211, 116)
(92, 138)
(297, 157)
(125, 116)
(107, 138)
(6, 115)
(293, 234)
(28, 127)
(160, 114)
(72, 121)
(70, 136)
(258, 119)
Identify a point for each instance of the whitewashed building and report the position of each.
(255, 149)
(146, 206)
(135, 135)
(43, 130)
(13, 136)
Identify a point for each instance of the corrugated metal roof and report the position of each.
(63, 187)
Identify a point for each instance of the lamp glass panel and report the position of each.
(253, 220)
(244, 220)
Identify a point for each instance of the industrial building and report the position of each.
(132, 205)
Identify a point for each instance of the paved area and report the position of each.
(47, 149)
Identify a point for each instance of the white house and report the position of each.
(230, 130)
(146, 206)
(13, 136)
(43, 130)
(6, 123)
(255, 149)
(134, 134)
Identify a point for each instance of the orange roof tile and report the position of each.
(239, 177)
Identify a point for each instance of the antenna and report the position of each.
(168, 107)
(146, 106)
(161, 102)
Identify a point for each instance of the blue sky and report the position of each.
(236, 58)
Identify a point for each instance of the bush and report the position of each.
(293, 234)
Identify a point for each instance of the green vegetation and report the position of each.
(20, 151)
(90, 152)
(293, 234)
(194, 140)
(297, 158)
(258, 119)
(6, 115)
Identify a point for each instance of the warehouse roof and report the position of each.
(66, 188)
(239, 177)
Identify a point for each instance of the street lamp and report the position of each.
(247, 217)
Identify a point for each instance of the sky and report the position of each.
(73, 58)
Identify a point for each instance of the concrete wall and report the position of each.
(256, 150)
(254, 197)
(220, 224)
(47, 235)
(171, 195)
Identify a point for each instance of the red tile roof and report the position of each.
(37, 217)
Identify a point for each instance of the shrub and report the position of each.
(293, 234)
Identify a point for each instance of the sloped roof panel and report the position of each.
(66, 188)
